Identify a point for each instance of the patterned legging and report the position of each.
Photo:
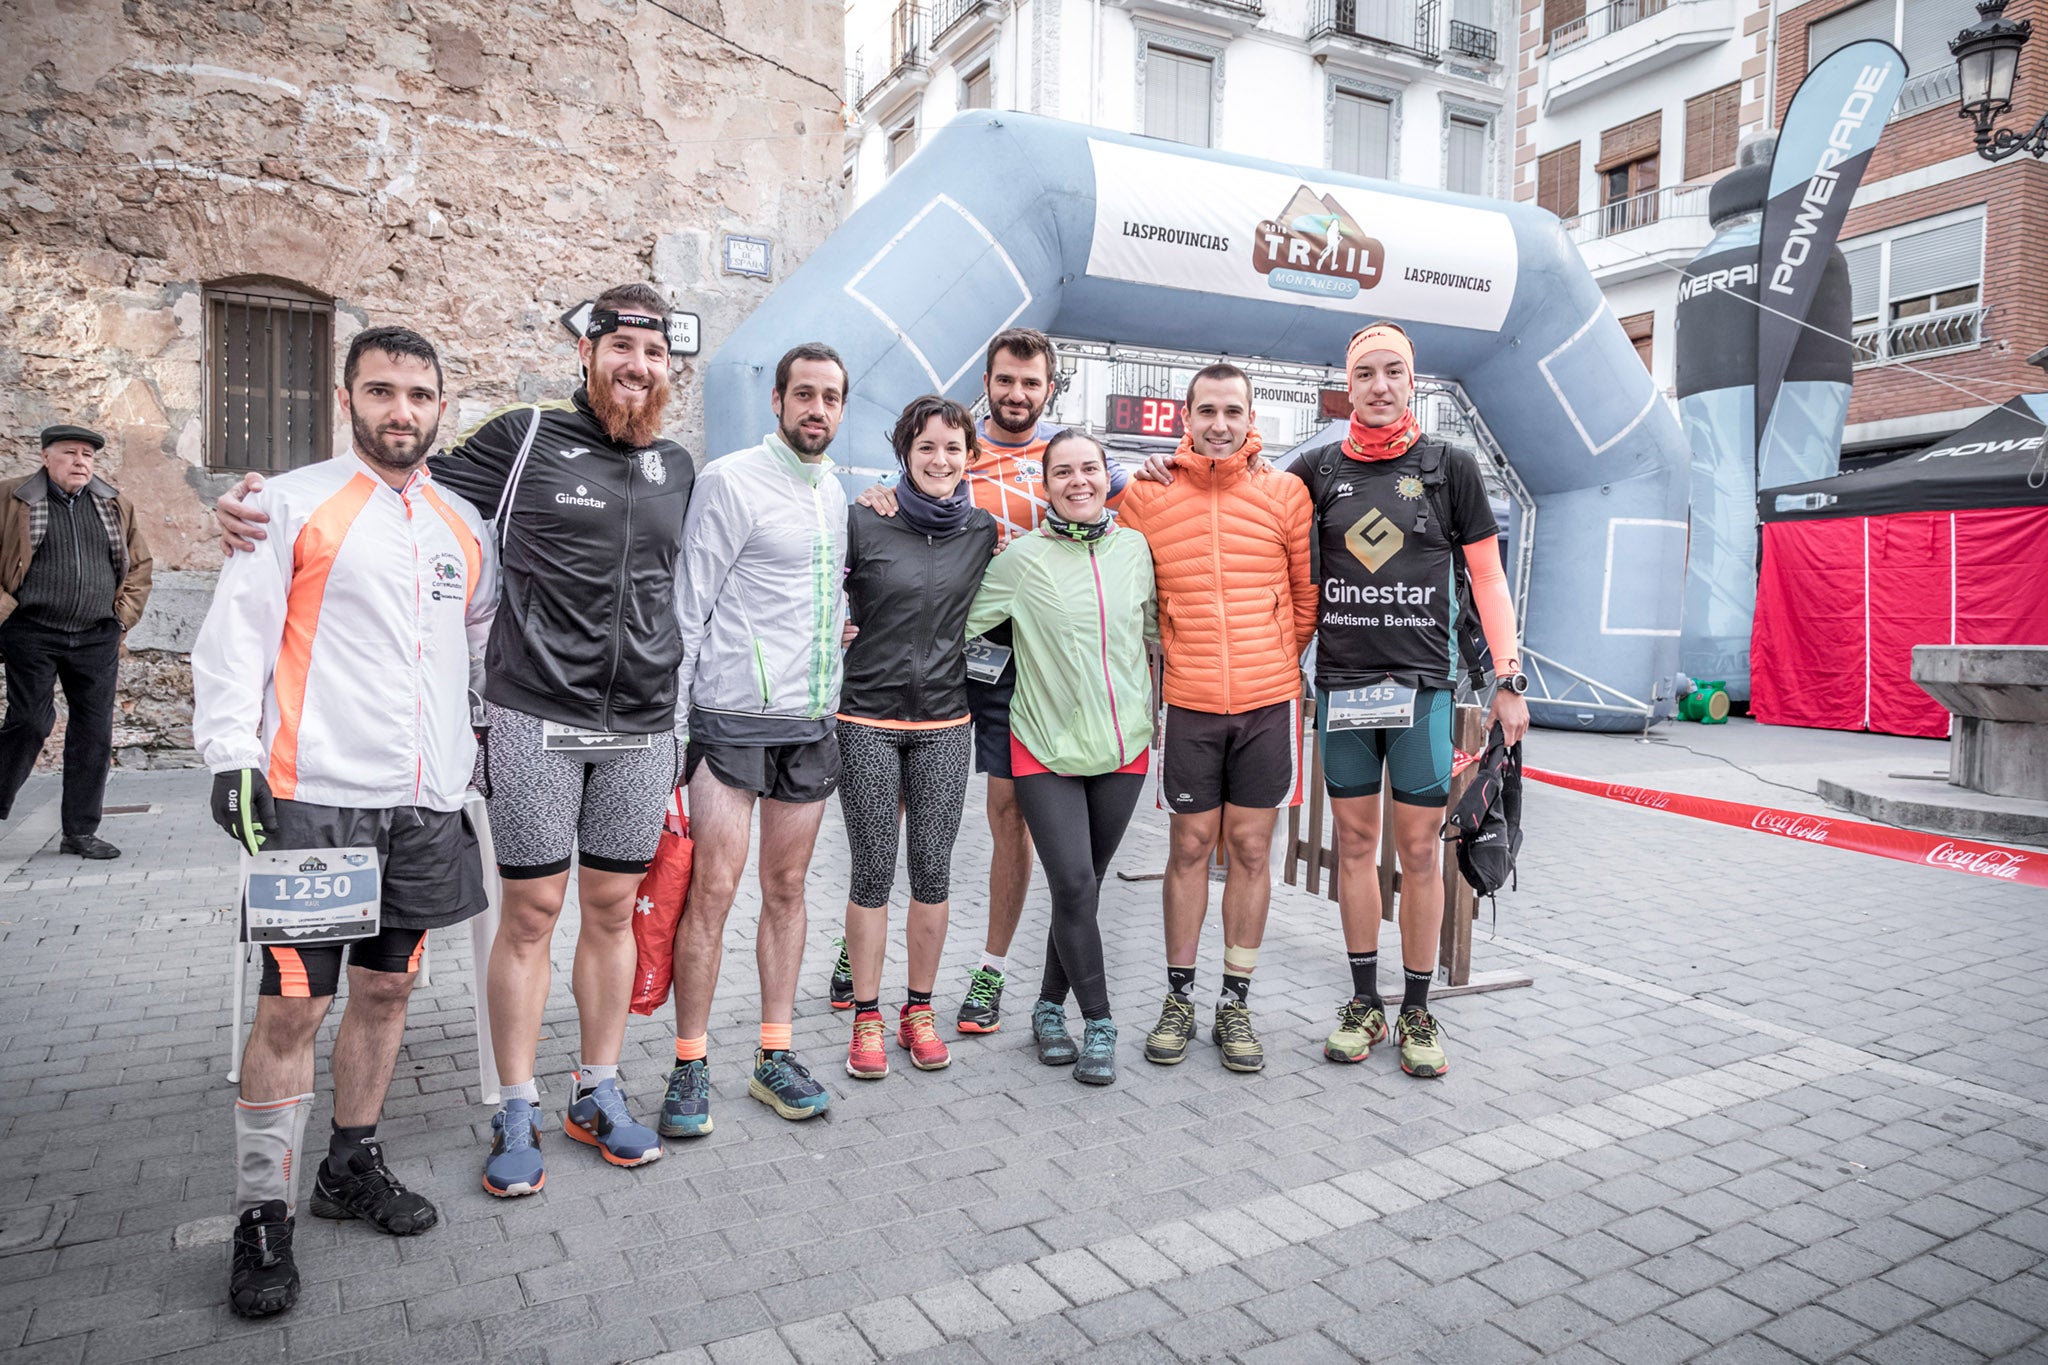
(923, 770)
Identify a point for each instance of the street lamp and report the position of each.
(1987, 57)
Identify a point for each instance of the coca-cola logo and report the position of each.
(1807, 827)
(1639, 796)
(2002, 863)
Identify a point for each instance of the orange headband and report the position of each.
(1380, 336)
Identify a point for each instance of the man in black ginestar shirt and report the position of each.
(1387, 665)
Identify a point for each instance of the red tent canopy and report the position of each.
(1949, 546)
(1841, 603)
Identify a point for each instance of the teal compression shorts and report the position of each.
(1417, 759)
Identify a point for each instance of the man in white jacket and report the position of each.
(330, 698)
(764, 551)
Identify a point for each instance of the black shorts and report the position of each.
(433, 876)
(989, 704)
(1251, 759)
(796, 773)
(314, 970)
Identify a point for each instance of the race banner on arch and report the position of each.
(1831, 128)
(1258, 234)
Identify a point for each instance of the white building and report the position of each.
(1407, 90)
(1414, 91)
(1635, 109)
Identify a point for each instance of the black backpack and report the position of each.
(1487, 823)
(1431, 456)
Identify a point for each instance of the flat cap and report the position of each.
(65, 432)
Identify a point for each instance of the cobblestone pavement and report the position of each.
(1765, 1102)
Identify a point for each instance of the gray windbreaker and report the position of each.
(760, 593)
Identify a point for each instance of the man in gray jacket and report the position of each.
(764, 553)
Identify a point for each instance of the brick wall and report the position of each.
(2015, 198)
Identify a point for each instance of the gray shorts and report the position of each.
(549, 807)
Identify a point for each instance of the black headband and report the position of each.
(603, 320)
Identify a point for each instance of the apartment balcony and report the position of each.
(1376, 35)
(1233, 17)
(1474, 41)
(957, 25)
(1951, 330)
(1618, 43)
(1653, 233)
(893, 63)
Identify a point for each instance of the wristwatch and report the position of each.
(1517, 683)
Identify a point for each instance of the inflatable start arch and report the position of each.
(1006, 220)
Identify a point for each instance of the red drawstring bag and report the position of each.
(658, 911)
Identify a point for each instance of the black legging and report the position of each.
(1076, 824)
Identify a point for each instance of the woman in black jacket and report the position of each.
(904, 732)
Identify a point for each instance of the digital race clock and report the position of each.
(1133, 415)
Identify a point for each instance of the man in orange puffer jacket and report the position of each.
(1237, 605)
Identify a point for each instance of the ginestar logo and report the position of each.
(1820, 188)
(1314, 247)
(580, 498)
(1374, 539)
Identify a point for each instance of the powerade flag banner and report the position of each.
(1830, 131)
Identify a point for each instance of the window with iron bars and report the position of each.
(269, 367)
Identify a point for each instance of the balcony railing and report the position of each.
(1954, 329)
(946, 13)
(907, 45)
(1939, 86)
(1638, 211)
(1470, 40)
(1407, 26)
(1603, 21)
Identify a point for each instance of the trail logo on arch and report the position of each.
(1314, 247)
(1275, 237)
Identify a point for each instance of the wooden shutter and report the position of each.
(1639, 328)
(1711, 121)
(1557, 181)
(1630, 141)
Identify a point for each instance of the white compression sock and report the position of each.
(268, 1136)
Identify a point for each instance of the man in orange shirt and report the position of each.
(1006, 480)
(1237, 605)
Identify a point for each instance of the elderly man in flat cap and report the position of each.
(74, 574)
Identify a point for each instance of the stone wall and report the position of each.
(469, 169)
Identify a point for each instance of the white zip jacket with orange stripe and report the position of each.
(339, 655)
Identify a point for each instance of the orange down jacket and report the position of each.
(1230, 543)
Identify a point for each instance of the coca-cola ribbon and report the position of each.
(2025, 867)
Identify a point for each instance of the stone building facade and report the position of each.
(201, 203)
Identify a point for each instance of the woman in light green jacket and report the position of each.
(1079, 592)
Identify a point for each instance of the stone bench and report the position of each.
(1997, 696)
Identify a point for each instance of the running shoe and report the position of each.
(866, 1057)
(1167, 1043)
(686, 1108)
(842, 978)
(262, 1280)
(1359, 1026)
(1232, 1032)
(785, 1085)
(600, 1119)
(514, 1166)
(1097, 1065)
(1422, 1051)
(917, 1031)
(982, 1010)
(368, 1190)
(1049, 1031)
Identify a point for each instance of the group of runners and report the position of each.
(560, 611)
